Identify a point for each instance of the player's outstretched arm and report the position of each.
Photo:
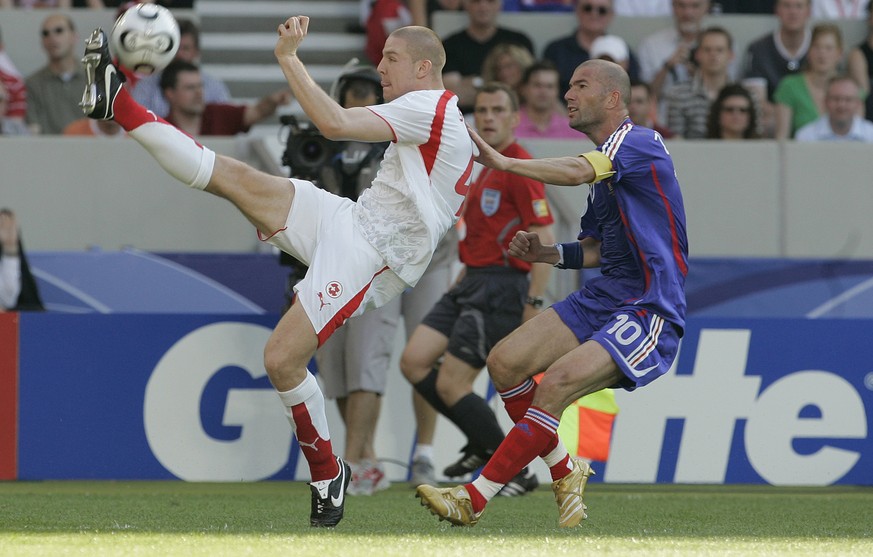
(334, 121)
(559, 171)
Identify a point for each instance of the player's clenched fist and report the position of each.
(525, 246)
(291, 34)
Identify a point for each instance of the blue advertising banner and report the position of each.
(149, 397)
(779, 401)
(121, 396)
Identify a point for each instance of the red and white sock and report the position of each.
(517, 400)
(524, 442)
(177, 152)
(304, 408)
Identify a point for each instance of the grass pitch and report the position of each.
(271, 518)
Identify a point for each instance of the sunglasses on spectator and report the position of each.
(599, 10)
(735, 109)
(55, 30)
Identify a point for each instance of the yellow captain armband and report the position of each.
(601, 164)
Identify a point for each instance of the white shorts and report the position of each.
(346, 275)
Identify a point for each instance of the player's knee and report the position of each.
(557, 389)
(499, 365)
(410, 368)
(273, 361)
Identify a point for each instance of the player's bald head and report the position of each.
(611, 77)
(423, 44)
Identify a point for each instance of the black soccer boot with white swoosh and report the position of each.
(104, 80)
(329, 497)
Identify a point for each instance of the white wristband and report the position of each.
(560, 249)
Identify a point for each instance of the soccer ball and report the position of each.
(145, 38)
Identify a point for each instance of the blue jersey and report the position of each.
(639, 217)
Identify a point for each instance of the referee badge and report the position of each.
(490, 201)
(540, 208)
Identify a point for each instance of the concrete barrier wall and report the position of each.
(759, 199)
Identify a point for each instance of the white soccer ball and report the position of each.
(145, 38)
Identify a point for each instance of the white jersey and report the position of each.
(418, 191)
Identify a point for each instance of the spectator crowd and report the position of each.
(685, 70)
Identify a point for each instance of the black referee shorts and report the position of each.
(479, 311)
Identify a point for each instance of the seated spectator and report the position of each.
(841, 121)
(688, 103)
(95, 128)
(54, 91)
(733, 115)
(14, 97)
(385, 16)
(861, 64)
(800, 97)
(147, 90)
(466, 50)
(541, 115)
(593, 18)
(742, 7)
(101, 4)
(422, 10)
(9, 126)
(783, 51)
(183, 89)
(642, 110)
(839, 9)
(665, 56)
(611, 48)
(18, 291)
(507, 64)
(30, 4)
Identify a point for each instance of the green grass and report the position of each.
(270, 518)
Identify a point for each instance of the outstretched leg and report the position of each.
(265, 201)
(262, 198)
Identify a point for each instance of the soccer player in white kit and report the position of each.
(360, 254)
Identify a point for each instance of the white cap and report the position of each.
(612, 46)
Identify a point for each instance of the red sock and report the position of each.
(129, 114)
(524, 443)
(477, 500)
(518, 399)
(317, 451)
(560, 469)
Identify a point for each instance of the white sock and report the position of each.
(557, 455)
(423, 451)
(486, 487)
(309, 394)
(178, 154)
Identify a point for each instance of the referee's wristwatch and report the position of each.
(534, 301)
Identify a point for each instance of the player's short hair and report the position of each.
(170, 75)
(494, 87)
(423, 44)
(612, 77)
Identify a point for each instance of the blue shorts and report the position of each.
(642, 344)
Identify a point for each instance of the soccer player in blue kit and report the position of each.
(621, 329)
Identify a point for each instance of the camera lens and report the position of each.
(312, 150)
